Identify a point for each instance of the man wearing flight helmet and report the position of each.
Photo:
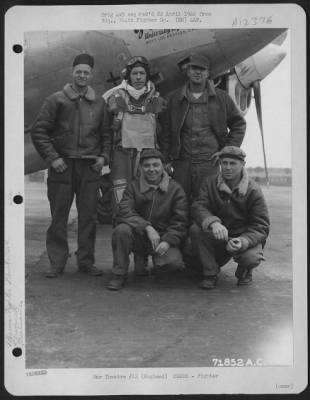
(135, 105)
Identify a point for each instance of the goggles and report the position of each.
(137, 59)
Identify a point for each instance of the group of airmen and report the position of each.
(181, 194)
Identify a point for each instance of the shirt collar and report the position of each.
(209, 88)
(163, 184)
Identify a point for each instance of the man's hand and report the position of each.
(153, 236)
(215, 158)
(162, 248)
(234, 245)
(98, 164)
(219, 231)
(59, 165)
(169, 168)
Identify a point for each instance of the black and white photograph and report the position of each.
(157, 252)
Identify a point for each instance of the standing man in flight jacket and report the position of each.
(199, 121)
(72, 134)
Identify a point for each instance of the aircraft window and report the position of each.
(17, 48)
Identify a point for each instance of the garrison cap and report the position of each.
(151, 153)
(232, 152)
(84, 59)
(199, 61)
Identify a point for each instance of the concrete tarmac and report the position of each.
(73, 321)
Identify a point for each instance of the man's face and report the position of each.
(138, 77)
(82, 74)
(197, 75)
(152, 169)
(231, 168)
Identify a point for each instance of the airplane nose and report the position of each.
(258, 66)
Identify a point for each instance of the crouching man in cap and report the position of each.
(231, 220)
(72, 134)
(152, 219)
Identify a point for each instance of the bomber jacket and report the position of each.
(71, 125)
(165, 208)
(243, 211)
(226, 122)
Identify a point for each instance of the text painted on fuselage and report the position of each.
(151, 35)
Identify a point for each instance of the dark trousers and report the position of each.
(80, 180)
(191, 175)
(212, 253)
(125, 168)
(126, 241)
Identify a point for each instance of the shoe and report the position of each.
(208, 283)
(246, 279)
(90, 270)
(117, 282)
(53, 271)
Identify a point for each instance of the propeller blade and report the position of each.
(258, 103)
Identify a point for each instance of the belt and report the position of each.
(87, 157)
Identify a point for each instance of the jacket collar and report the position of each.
(242, 188)
(163, 185)
(124, 85)
(73, 95)
(210, 90)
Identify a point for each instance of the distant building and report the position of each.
(277, 176)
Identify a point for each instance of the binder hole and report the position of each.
(17, 352)
(18, 199)
(17, 48)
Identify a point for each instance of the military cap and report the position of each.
(84, 59)
(151, 153)
(199, 61)
(232, 152)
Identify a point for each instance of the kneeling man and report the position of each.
(152, 219)
(231, 220)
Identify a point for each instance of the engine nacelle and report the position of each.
(258, 66)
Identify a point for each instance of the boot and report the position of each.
(90, 270)
(208, 283)
(246, 279)
(117, 282)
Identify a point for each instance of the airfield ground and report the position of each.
(75, 322)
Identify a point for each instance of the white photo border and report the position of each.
(18, 380)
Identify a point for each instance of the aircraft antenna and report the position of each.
(258, 103)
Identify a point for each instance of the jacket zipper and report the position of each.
(152, 205)
(80, 130)
(184, 116)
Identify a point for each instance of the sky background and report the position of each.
(276, 109)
